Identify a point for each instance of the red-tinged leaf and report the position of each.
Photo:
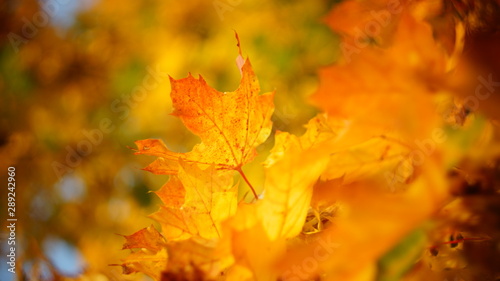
(148, 238)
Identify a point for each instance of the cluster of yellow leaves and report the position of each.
(330, 209)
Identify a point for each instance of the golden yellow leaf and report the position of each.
(148, 238)
(318, 130)
(295, 166)
(197, 259)
(148, 252)
(210, 198)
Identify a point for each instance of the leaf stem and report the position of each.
(459, 241)
(248, 182)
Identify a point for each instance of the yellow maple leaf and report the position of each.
(294, 166)
(148, 252)
(197, 259)
(210, 198)
(318, 130)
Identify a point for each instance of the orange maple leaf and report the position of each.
(230, 124)
(375, 88)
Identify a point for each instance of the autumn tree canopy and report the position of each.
(361, 143)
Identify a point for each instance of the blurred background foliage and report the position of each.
(69, 72)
